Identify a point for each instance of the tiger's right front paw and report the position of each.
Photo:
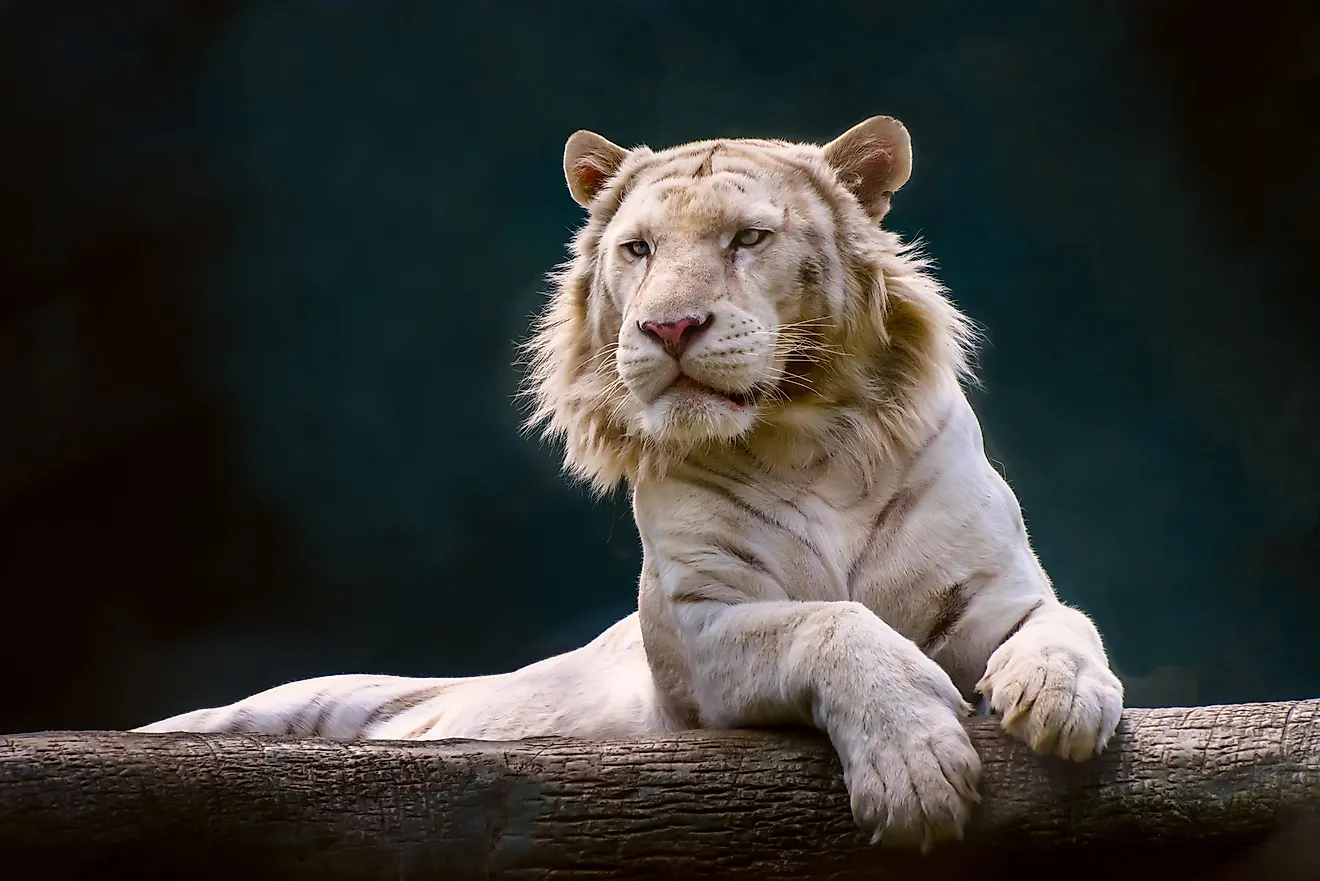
(913, 784)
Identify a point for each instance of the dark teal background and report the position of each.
(264, 265)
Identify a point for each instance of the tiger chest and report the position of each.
(867, 549)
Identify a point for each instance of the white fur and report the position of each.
(834, 550)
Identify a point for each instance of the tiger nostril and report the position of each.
(677, 336)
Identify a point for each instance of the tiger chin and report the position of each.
(778, 379)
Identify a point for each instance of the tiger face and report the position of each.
(738, 291)
(704, 273)
(719, 274)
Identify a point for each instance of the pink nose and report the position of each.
(676, 336)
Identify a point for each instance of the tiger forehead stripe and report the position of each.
(733, 170)
(725, 174)
(704, 169)
(802, 172)
(682, 160)
(686, 162)
(631, 174)
(676, 174)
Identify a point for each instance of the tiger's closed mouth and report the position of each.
(736, 400)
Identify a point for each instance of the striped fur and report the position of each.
(824, 539)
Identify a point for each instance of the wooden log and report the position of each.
(1210, 792)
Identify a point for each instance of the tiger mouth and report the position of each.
(735, 400)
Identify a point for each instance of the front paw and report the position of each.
(911, 784)
(1058, 698)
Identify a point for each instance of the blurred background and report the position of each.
(263, 267)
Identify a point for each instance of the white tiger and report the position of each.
(777, 379)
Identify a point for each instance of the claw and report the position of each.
(1017, 711)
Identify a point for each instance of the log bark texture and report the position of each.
(1210, 792)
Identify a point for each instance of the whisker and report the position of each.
(809, 322)
(800, 349)
(795, 381)
(616, 406)
(605, 352)
(784, 334)
(797, 342)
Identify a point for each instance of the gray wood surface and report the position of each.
(1222, 792)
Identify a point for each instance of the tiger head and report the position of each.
(739, 293)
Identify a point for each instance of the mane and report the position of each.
(891, 361)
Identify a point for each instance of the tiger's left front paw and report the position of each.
(1058, 698)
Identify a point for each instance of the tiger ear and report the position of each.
(873, 159)
(590, 162)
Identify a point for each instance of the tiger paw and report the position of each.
(1055, 693)
(912, 785)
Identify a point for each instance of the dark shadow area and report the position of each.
(122, 518)
(263, 269)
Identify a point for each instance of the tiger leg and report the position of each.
(601, 690)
